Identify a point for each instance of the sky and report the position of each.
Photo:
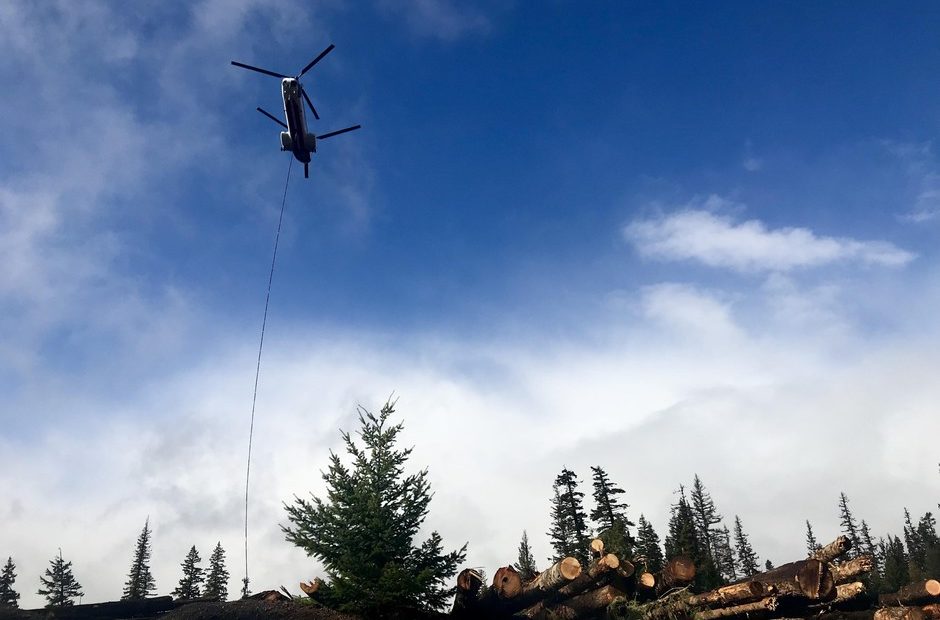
(664, 238)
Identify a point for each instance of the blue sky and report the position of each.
(609, 228)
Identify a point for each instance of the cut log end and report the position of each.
(646, 580)
(507, 582)
(569, 568)
(932, 587)
(611, 561)
(597, 547)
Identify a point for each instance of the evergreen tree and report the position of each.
(140, 583)
(364, 529)
(246, 591)
(59, 584)
(569, 532)
(526, 562)
(916, 551)
(768, 565)
(189, 585)
(706, 516)
(647, 546)
(868, 547)
(217, 578)
(610, 515)
(927, 533)
(848, 524)
(811, 545)
(747, 559)
(8, 596)
(724, 558)
(683, 539)
(896, 573)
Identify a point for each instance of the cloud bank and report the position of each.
(715, 240)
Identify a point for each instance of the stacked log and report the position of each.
(820, 587)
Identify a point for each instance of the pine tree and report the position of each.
(726, 562)
(706, 516)
(768, 565)
(189, 585)
(896, 573)
(60, 585)
(526, 562)
(848, 524)
(868, 547)
(246, 591)
(364, 530)
(927, 532)
(647, 546)
(811, 545)
(683, 539)
(8, 596)
(569, 533)
(747, 559)
(610, 515)
(140, 583)
(217, 578)
(916, 551)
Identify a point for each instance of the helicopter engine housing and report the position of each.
(285, 141)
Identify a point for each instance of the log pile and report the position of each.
(820, 587)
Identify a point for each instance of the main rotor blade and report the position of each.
(336, 133)
(259, 70)
(309, 103)
(317, 59)
(273, 118)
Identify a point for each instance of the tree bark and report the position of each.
(545, 583)
(762, 606)
(837, 548)
(918, 592)
(807, 578)
(744, 592)
(585, 604)
(849, 570)
(932, 611)
(899, 613)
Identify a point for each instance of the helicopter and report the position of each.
(297, 139)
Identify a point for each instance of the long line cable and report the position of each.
(264, 322)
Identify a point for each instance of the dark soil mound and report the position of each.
(249, 610)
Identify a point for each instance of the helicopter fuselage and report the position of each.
(296, 138)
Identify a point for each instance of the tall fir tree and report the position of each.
(610, 515)
(706, 517)
(916, 551)
(569, 532)
(896, 573)
(747, 558)
(724, 555)
(812, 545)
(848, 524)
(648, 547)
(59, 584)
(190, 584)
(364, 530)
(140, 583)
(868, 547)
(217, 577)
(8, 596)
(683, 540)
(927, 532)
(526, 562)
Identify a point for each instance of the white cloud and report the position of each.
(697, 234)
(440, 19)
(687, 388)
(923, 174)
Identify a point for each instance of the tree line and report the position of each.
(721, 555)
(60, 587)
(364, 531)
